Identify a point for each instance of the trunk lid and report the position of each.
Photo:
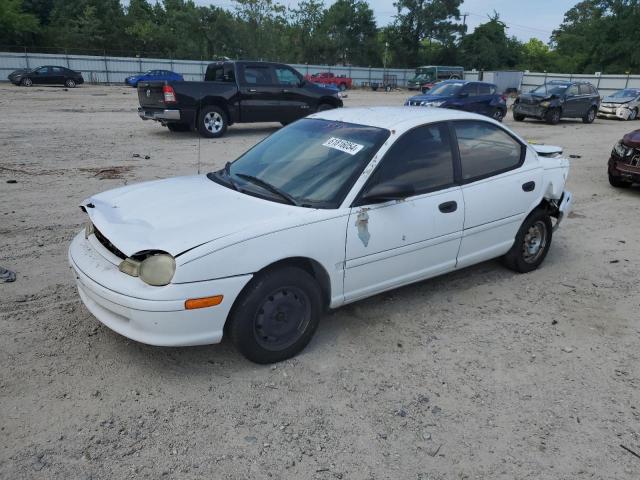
(150, 94)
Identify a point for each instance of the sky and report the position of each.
(524, 18)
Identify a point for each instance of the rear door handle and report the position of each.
(448, 207)
(529, 186)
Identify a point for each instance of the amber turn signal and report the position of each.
(205, 302)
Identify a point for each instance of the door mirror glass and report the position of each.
(388, 191)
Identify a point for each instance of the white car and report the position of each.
(623, 104)
(336, 207)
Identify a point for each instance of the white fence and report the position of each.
(104, 69)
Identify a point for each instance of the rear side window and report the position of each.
(586, 89)
(573, 90)
(471, 89)
(257, 75)
(214, 74)
(421, 158)
(484, 89)
(486, 149)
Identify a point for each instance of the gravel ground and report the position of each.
(482, 373)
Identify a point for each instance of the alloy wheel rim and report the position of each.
(497, 115)
(282, 318)
(535, 242)
(592, 115)
(213, 122)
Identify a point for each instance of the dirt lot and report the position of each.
(480, 374)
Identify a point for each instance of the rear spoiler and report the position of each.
(546, 150)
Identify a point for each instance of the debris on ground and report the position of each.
(575, 156)
(12, 181)
(7, 275)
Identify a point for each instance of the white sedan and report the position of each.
(333, 208)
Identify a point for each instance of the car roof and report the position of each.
(397, 118)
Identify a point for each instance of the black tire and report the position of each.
(324, 106)
(590, 116)
(387, 88)
(619, 182)
(276, 315)
(178, 127)
(634, 114)
(518, 117)
(531, 244)
(552, 117)
(26, 82)
(70, 83)
(498, 114)
(212, 122)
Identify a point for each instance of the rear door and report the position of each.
(260, 94)
(498, 186)
(294, 99)
(56, 75)
(397, 242)
(573, 102)
(486, 93)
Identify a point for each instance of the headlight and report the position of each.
(157, 270)
(545, 104)
(88, 229)
(437, 104)
(621, 149)
(424, 103)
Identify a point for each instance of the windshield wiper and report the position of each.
(268, 186)
(227, 171)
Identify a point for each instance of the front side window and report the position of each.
(42, 71)
(286, 76)
(550, 89)
(257, 76)
(585, 89)
(485, 149)
(421, 158)
(447, 89)
(471, 89)
(572, 91)
(311, 163)
(484, 89)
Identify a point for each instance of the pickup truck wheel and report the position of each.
(552, 116)
(212, 122)
(518, 117)
(324, 106)
(531, 244)
(276, 315)
(590, 116)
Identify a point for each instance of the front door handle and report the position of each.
(252, 90)
(529, 186)
(284, 90)
(448, 207)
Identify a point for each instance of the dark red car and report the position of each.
(326, 78)
(624, 163)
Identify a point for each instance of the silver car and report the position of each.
(623, 104)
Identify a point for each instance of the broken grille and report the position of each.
(107, 244)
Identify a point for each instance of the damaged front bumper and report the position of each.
(563, 207)
(623, 112)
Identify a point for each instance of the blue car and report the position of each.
(152, 75)
(476, 97)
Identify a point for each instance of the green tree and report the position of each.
(489, 47)
(306, 34)
(16, 26)
(351, 33)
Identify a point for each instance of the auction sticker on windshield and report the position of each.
(343, 145)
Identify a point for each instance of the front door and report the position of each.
(294, 100)
(401, 241)
(41, 75)
(259, 94)
(572, 103)
(499, 188)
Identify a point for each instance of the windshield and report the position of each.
(550, 89)
(446, 89)
(627, 92)
(311, 163)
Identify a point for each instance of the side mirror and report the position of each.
(385, 192)
(463, 94)
(302, 83)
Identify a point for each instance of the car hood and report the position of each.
(618, 99)
(632, 139)
(429, 98)
(179, 214)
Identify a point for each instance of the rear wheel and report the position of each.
(531, 244)
(498, 114)
(276, 315)
(324, 106)
(553, 116)
(518, 117)
(70, 83)
(590, 116)
(212, 122)
(619, 182)
(26, 82)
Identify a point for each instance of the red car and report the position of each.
(341, 81)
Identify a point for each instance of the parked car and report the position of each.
(154, 75)
(47, 75)
(425, 77)
(624, 162)
(477, 97)
(558, 99)
(623, 104)
(334, 208)
(341, 81)
(234, 92)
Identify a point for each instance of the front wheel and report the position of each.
(634, 114)
(70, 83)
(619, 182)
(518, 117)
(553, 116)
(531, 244)
(26, 82)
(276, 315)
(324, 106)
(590, 116)
(212, 122)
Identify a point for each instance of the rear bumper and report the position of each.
(159, 115)
(161, 320)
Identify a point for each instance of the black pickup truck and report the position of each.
(234, 92)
